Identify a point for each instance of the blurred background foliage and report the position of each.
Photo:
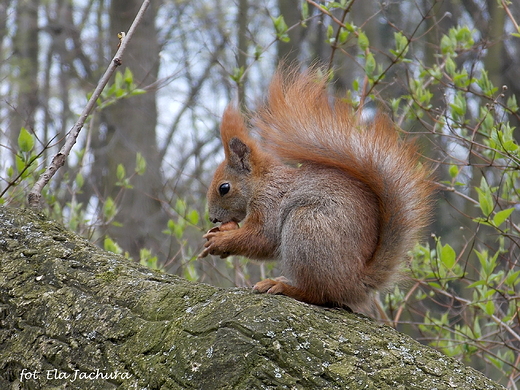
(447, 72)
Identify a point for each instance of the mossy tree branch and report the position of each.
(75, 316)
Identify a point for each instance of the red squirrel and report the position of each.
(338, 203)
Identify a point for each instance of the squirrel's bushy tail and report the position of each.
(301, 123)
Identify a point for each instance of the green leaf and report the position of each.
(180, 207)
(120, 173)
(434, 284)
(487, 263)
(450, 66)
(128, 77)
(343, 36)
(178, 229)
(477, 331)
(448, 257)
(111, 246)
(171, 225)
(190, 272)
(140, 164)
(489, 308)
(25, 140)
(20, 163)
(477, 283)
(459, 105)
(24, 164)
(350, 27)
(237, 74)
(370, 64)
(79, 180)
(355, 85)
(146, 259)
(305, 10)
(330, 34)
(363, 41)
(487, 120)
(510, 146)
(461, 79)
(170, 229)
(464, 36)
(193, 217)
(485, 84)
(118, 83)
(281, 28)
(258, 52)
(395, 104)
(447, 45)
(109, 208)
(485, 198)
(111, 91)
(498, 363)
(513, 278)
(511, 103)
(401, 44)
(485, 201)
(501, 216)
(136, 92)
(454, 171)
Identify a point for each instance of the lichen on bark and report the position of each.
(74, 316)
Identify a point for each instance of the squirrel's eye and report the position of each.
(224, 188)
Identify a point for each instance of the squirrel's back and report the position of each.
(301, 123)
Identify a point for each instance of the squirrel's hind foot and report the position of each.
(281, 286)
(272, 286)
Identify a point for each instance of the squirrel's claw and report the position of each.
(203, 254)
(207, 245)
(211, 232)
(211, 247)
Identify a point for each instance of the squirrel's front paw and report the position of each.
(216, 244)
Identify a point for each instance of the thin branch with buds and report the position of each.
(34, 196)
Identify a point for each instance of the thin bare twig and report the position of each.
(510, 15)
(34, 196)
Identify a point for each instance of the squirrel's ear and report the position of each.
(239, 155)
(236, 140)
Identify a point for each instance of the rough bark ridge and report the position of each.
(74, 316)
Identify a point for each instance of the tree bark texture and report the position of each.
(74, 316)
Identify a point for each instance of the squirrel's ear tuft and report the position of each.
(239, 155)
(233, 125)
(236, 140)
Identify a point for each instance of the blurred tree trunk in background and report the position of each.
(291, 51)
(128, 127)
(3, 26)
(501, 54)
(242, 49)
(24, 77)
